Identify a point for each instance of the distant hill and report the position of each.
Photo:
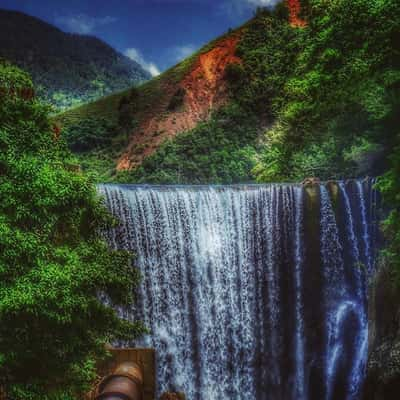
(67, 69)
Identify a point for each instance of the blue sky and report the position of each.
(156, 33)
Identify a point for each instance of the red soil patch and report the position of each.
(294, 7)
(205, 90)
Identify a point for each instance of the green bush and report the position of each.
(89, 134)
(54, 265)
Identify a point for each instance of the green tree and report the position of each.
(389, 185)
(54, 265)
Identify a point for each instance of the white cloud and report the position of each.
(179, 53)
(237, 7)
(136, 55)
(82, 23)
(263, 3)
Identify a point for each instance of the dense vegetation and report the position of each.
(67, 69)
(340, 100)
(54, 266)
(216, 151)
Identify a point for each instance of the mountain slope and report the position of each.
(184, 118)
(306, 89)
(139, 120)
(66, 68)
(186, 103)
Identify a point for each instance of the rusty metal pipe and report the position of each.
(125, 383)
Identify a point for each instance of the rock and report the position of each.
(383, 369)
(311, 181)
(333, 189)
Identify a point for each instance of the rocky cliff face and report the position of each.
(383, 374)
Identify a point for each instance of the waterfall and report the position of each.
(300, 384)
(254, 291)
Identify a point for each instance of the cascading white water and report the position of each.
(245, 295)
(335, 293)
(300, 387)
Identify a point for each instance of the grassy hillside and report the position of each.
(67, 69)
(98, 132)
(316, 97)
(108, 106)
(101, 131)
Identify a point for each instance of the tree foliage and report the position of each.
(342, 86)
(54, 265)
